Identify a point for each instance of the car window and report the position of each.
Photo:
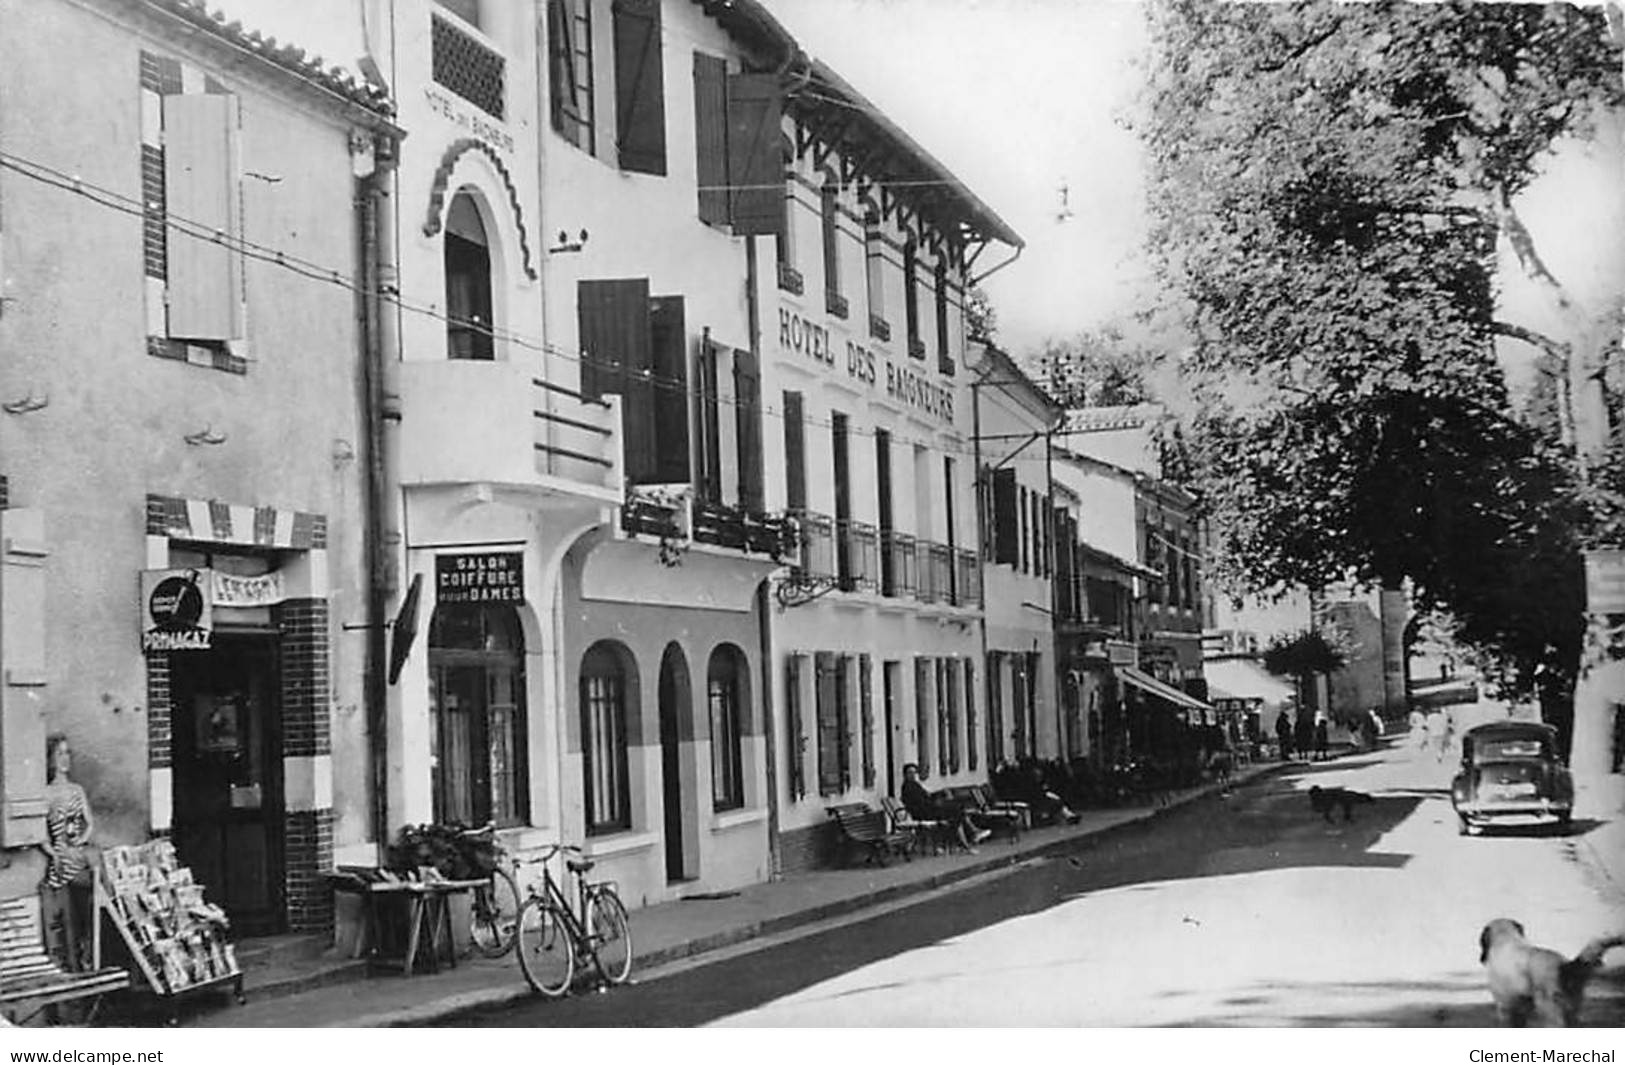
(1489, 750)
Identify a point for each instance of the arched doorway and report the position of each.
(467, 260)
(676, 774)
(477, 711)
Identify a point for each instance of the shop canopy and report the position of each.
(1152, 686)
(1244, 678)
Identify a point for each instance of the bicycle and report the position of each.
(551, 932)
(493, 919)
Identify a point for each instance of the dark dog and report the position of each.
(1527, 981)
(1325, 800)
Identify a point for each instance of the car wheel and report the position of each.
(1462, 827)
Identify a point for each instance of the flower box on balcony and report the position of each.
(790, 279)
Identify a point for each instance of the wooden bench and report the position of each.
(937, 834)
(30, 979)
(868, 830)
(986, 813)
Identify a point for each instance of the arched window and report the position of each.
(468, 282)
(477, 706)
(728, 698)
(604, 698)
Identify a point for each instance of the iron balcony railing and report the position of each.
(816, 536)
(968, 579)
(855, 557)
(935, 564)
(896, 564)
(741, 529)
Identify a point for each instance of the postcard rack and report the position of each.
(176, 938)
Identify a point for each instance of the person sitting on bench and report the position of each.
(922, 805)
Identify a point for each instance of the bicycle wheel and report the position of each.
(611, 934)
(494, 914)
(547, 953)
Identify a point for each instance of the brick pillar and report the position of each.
(307, 748)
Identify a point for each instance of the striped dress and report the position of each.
(67, 822)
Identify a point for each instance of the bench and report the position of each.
(859, 827)
(938, 834)
(983, 811)
(30, 979)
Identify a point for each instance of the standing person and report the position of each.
(1437, 728)
(1283, 735)
(1371, 730)
(1418, 723)
(1323, 738)
(69, 825)
(924, 806)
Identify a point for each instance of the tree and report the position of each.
(1330, 183)
(1095, 368)
(981, 319)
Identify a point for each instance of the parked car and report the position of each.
(1510, 775)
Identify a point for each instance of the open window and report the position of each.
(467, 257)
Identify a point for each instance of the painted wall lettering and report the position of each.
(904, 384)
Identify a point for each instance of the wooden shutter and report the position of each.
(669, 338)
(707, 422)
(748, 429)
(1006, 511)
(564, 84)
(922, 714)
(1063, 562)
(866, 718)
(970, 715)
(640, 94)
(944, 734)
(797, 738)
(843, 718)
(24, 553)
(200, 190)
(995, 709)
(755, 155)
(616, 357)
(711, 137)
(795, 453)
(829, 731)
(1018, 700)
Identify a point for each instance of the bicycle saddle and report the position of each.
(579, 866)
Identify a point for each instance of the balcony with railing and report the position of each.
(935, 567)
(896, 564)
(815, 554)
(967, 578)
(739, 529)
(494, 422)
(856, 564)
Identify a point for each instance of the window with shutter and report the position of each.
(866, 719)
(945, 357)
(1018, 702)
(844, 680)
(570, 80)
(24, 554)
(1023, 513)
(614, 321)
(839, 434)
(923, 729)
(748, 429)
(711, 137)
(669, 338)
(755, 162)
(874, 263)
(911, 300)
(829, 214)
(795, 453)
(640, 94)
(828, 724)
(202, 203)
(708, 424)
(970, 715)
(1006, 517)
(798, 741)
(995, 708)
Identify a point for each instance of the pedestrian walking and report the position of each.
(1418, 735)
(1438, 726)
(1283, 735)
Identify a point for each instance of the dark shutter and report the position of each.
(795, 453)
(755, 159)
(711, 137)
(563, 84)
(843, 718)
(970, 714)
(1006, 536)
(1063, 564)
(995, 709)
(670, 341)
(616, 357)
(829, 732)
(797, 744)
(640, 95)
(922, 714)
(866, 719)
(707, 422)
(748, 429)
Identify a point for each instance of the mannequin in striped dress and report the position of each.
(69, 823)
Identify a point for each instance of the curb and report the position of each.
(453, 1006)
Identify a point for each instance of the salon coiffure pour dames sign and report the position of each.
(177, 605)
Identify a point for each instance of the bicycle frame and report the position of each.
(573, 915)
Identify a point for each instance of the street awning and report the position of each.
(1244, 678)
(1152, 686)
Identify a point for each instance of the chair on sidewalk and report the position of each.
(995, 819)
(938, 834)
(859, 826)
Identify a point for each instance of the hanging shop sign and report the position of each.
(1605, 581)
(231, 590)
(490, 577)
(177, 610)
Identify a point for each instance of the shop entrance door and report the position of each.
(226, 728)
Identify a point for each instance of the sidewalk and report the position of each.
(672, 931)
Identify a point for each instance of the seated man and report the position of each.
(924, 806)
(1033, 788)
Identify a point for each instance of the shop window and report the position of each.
(467, 257)
(728, 699)
(605, 680)
(478, 708)
(569, 64)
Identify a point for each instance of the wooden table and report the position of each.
(427, 912)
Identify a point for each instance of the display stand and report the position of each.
(177, 939)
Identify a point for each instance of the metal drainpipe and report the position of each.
(770, 746)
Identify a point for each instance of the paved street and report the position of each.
(1246, 910)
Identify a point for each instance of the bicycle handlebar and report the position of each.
(552, 850)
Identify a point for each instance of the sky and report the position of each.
(1018, 98)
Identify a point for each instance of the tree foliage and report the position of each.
(1329, 186)
(1095, 368)
(1303, 655)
